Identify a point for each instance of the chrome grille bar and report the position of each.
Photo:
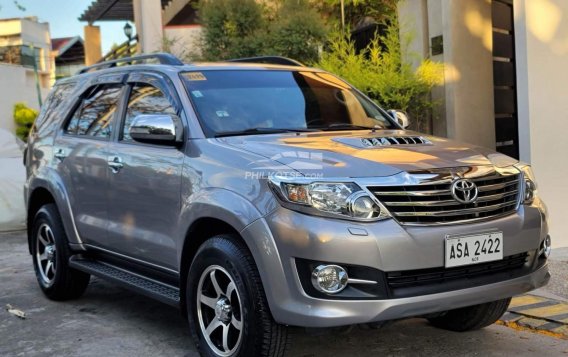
(452, 202)
(458, 212)
(432, 202)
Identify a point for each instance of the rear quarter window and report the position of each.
(52, 110)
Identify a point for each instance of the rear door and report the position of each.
(144, 190)
(80, 153)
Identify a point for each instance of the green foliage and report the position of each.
(245, 28)
(357, 10)
(24, 118)
(233, 28)
(382, 73)
(297, 31)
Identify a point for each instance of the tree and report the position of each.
(357, 11)
(233, 28)
(381, 72)
(297, 31)
(245, 28)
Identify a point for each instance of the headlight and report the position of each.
(529, 184)
(340, 199)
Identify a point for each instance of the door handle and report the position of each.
(60, 154)
(115, 164)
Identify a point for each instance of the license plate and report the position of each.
(473, 249)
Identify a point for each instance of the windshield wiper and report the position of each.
(256, 131)
(334, 126)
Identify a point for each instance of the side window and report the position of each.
(144, 99)
(59, 93)
(94, 115)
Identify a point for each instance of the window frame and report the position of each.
(79, 102)
(162, 83)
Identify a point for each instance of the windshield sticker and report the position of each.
(195, 76)
(197, 93)
(222, 114)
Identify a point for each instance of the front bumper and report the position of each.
(285, 236)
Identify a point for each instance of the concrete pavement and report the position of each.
(110, 321)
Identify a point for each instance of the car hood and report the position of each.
(361, 154)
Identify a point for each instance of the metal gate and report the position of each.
(505, 79)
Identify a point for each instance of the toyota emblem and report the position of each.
(464, 191)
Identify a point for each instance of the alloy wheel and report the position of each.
(219, 311)
(46, 256)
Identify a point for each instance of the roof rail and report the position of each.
(269, 60)
(163, 58)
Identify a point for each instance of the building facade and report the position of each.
(27, 69)
(506, 69)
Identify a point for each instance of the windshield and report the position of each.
(252, 101)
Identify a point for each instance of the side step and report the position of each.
(165, 293)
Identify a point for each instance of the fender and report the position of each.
(50, 180)
(221, 204)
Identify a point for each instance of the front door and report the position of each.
(144, 188)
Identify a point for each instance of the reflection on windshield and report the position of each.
(230, 102)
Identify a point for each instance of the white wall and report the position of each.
(29, 32)
(185, 40)
(541, 28)
(18, 85)
(465, 111)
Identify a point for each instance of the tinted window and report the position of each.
(229, 101)
(145, 99)
(94, 115)
(53, 103)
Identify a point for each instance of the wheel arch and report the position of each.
(201, 230)
(39, 197)
(46, 189)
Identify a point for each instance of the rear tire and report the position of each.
(472, 317)
(225, 297)
(50, 252)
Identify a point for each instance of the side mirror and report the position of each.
(160, 129)
(400, 117)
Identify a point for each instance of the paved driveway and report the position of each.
(110, 321)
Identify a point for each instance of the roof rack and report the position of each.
(269, 60)
(163, 58)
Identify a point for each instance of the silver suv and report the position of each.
(259, 193)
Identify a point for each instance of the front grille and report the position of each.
(413, 278)
(434, 204)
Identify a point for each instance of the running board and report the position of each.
(163, 292)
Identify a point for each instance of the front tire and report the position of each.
(227, 308)
(51, 253)
(472, 317)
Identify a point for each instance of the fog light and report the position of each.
(329, 279)
(546, 247)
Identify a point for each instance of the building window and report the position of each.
(21, 55)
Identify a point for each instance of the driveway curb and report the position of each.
(538, 313)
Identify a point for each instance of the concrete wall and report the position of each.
(541, 28)
(185, 41)
(465, 111)
(18, 85)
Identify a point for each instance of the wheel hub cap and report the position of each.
(50, 252)
(223, 310)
